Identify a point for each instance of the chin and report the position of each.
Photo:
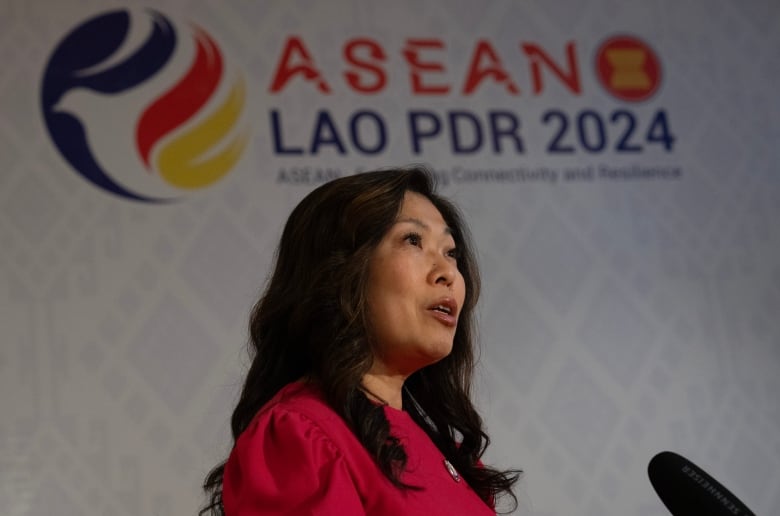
(439, 353)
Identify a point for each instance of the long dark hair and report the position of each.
(312, 322)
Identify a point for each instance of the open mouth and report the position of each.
(443, 309)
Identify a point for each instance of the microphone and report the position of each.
(686, 490)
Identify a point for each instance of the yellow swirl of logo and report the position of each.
(202, 154)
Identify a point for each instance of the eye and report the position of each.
(413, 238)
(453, 253)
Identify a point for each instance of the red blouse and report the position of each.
(299, 458)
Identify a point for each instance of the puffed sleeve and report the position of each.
(283, 464)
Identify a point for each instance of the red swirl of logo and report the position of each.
(189, 158)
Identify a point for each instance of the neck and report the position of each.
(385, 388)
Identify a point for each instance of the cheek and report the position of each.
(462, 288)
(386, 290)
(397, 276)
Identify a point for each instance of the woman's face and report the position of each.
(415, 290)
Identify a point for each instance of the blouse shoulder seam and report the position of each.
(315, 425)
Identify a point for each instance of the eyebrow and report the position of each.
(423, 225)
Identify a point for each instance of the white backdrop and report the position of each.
(632, 276)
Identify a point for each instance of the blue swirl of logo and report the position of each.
(86, 46)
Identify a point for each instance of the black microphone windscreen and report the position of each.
(687, 490)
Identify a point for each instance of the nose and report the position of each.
(443, 271)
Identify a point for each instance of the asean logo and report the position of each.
(143, 108)
(628, 68)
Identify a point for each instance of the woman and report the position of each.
(358, 398)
